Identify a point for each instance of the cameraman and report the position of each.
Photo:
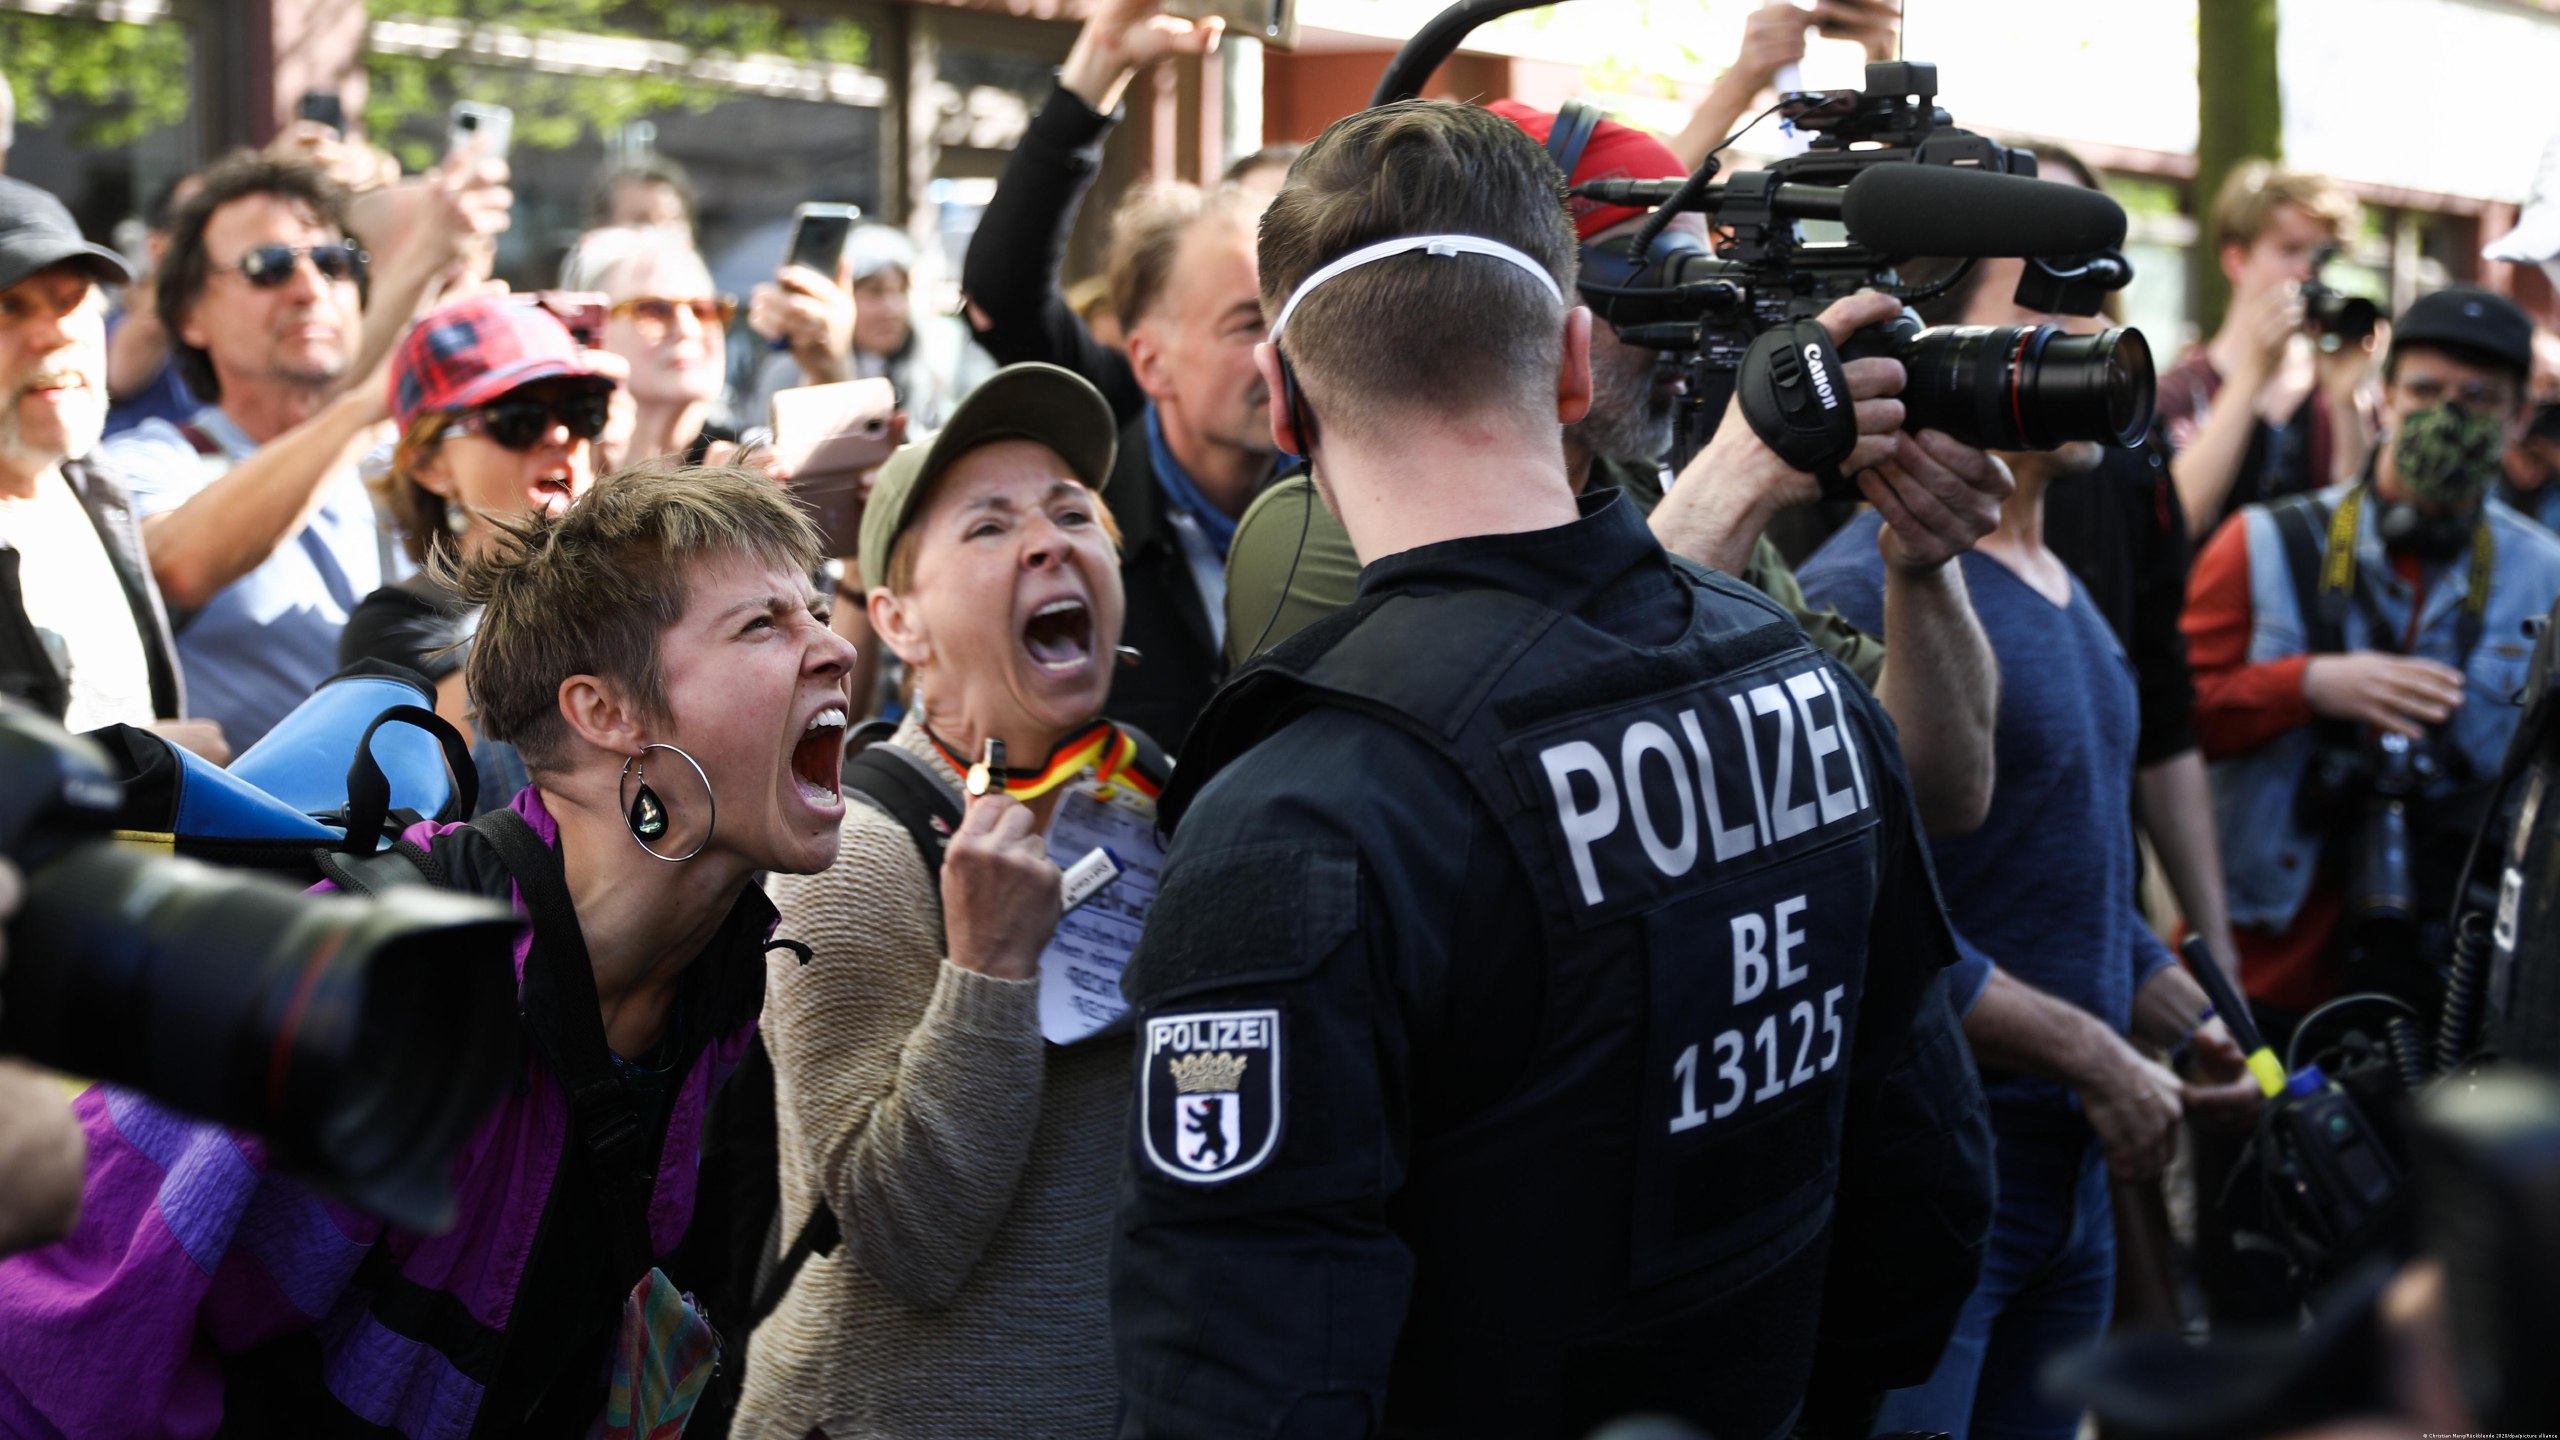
(1292, 564)
(1443, 1122)
(2260, 411)
(2303, 657)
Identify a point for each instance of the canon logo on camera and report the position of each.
(1821, 377)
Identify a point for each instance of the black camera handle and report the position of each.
(1435, 42)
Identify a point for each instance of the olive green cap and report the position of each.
(1043, 403)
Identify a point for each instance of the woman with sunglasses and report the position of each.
(498, 410)
(665, 323)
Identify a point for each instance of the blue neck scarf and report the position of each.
(1178, 487)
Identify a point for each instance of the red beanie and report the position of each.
(1616, 152)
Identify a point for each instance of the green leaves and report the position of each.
(123, 69)
(598, 64)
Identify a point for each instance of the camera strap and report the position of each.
(1795, 392)
(567, 1026)
(2323, 572)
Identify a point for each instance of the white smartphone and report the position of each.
(486, 128)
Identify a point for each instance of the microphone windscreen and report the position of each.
(1915, 209)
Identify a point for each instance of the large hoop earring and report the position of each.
(645, 815)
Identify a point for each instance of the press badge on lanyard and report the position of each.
(1080, 970)
(1735, 825)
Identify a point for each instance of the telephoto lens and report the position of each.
(2018, 387)
(362, 1040)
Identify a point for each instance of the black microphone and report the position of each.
(1944, 210)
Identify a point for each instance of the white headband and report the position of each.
(1443, 245)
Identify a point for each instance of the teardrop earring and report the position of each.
(648, 818)
(645, 815)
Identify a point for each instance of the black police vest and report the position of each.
(1639, 1222)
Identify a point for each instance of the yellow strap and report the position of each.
(2269, 1070)
(2484, 554)
(2338, 564)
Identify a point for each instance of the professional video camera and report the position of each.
(361, 1039)
(1891, 166)
(1907, 184)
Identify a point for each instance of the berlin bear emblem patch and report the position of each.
(1210, 1093)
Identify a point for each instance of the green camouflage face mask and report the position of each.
(2448, 455)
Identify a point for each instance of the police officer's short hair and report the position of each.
(1416, 332)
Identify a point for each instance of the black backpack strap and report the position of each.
(819, 1235)
(892, 782)
(566, 1020)
(2299, 524)
(369, 790)
(406, 863)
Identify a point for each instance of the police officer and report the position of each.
(1541, 1013)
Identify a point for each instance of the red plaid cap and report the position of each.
(1615, 152)
(472, 351)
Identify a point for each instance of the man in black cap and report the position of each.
(83, 635)
(2367, 638)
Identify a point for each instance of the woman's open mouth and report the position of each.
(817, 760)
(1059, 637)
(553, 490)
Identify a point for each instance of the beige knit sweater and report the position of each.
(973, 1167)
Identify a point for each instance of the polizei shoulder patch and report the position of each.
(1210, 1091)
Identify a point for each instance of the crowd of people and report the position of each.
(1587, 939)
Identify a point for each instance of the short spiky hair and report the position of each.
(1414, 331)
(186, 268)
(594, 590)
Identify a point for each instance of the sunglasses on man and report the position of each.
(269, 266)
(520, 422)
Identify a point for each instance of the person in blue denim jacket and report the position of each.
(2394, 606)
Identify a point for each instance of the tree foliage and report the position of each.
(132, 78)
(554, 111)
(2239, 116)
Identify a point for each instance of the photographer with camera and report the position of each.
(1429, 934)
(2358, 653)
(651, 653)
(2273, 404)
(1292, 563)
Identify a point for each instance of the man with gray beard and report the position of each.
(83, 635)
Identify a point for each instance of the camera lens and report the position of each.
(2027, 387)
(2346, 319)
(361, 1039)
